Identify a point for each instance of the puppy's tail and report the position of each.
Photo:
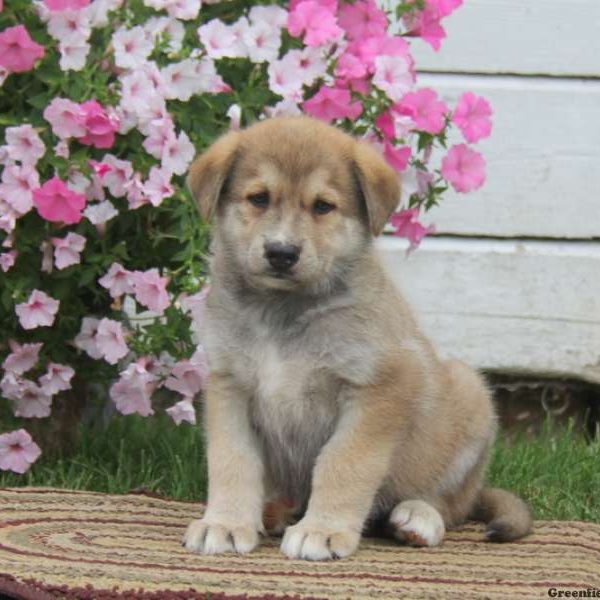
(507, 516)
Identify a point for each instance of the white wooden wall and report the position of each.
(512, 280)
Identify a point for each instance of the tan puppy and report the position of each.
(323, 392)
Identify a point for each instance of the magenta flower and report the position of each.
(472, 116)
(39, 310)
(315, 20)
(57, 203)
(65, 117)
(151, 289)
(67, 250)
(397, 157)
(18, 52)
(406, 224)
(17, 451)
(464, 168)
(110, 341)
(100, 127)
(362, 19)
(182, 411)
(332, 103)
(22, 357)
(117, 280)
(424, 108)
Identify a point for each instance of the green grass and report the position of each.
(557, 473)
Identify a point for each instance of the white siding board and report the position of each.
(553, 37)
(543, 159)
(506, 305)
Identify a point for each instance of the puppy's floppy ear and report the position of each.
(209, 172)
(379, 184)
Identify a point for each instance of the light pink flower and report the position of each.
(7, 260)
(86, 338)
(234, 114)
(62, 149)
(406, 224)
(464, 168)
(151, 289)
(177, 154)
(196, 305)
(73, 53)
(472, 116)
(100, 126)
(39, 310)
(32, 402)
(286, 77)
(424, 108)
(220, 40)
(57, 203)
(182, 411)
(98, 214)
(132, 47)
(69, 26)
(117, 280)
(65, 117)
(132, 392)
(332, 103)
(158, 186)
(362, 19)
(397, 157)
(67, 250)
(262, 42)
(24, 144)
(272, 15)
(17, 451)
(57, 378)
(188, 377)
(136, 195)
(160, 132)
(181, 80)
(316, 21)
(59, 5)
(22, 357)
(18, 183)
(110, 340)
(18, 52)
(393, 75)
(186, 10)
(118, 174)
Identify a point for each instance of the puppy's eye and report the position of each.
(260, 200)
(322, 208)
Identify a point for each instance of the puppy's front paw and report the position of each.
(318, 541)
(212, 537)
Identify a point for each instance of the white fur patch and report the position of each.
(417, 523)
(461, 465)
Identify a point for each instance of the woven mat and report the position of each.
(56, 543)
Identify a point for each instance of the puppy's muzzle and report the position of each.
(282, 257)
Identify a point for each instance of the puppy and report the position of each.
(324, 395)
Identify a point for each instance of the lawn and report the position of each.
(558, 473)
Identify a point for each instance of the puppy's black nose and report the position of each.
(282, 257)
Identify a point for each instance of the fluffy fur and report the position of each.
(324, 395)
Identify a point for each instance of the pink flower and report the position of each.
(56, 379)
(397, 157)
(66, 4)
(132, 47)
(220, 40)
(362, 19)
(39, 310)
(24, 144)
(151, 289)
(116, 174)
(262, 42)
(73, 53)
(393, 75)
(158, 186)
(368, 49)
(188, 377)
(182, 411)
(315, 20)
(424, 108)
(472, 115)
(332, 103)
(57, 203)
(177, 154)
(32, 402)
(463, 168)
(406, 224)
(67, 250)
(18, 183)
(196, 305)
(17, 451)
(65, 118)
(110, 341)
(18, 52)
(350, 66)
(7, 260)
(132, 392)
(22, 357)
(99, 214)
(117, 281)
(86, 338)
(100, 127)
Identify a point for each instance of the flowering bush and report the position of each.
(104, 104)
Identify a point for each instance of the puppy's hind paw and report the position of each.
(207, 537)
(417, 523)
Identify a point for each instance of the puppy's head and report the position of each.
(295, 201)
